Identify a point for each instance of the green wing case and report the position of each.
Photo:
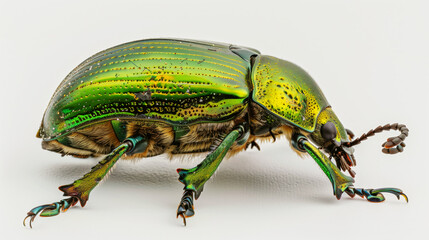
(178, 81)
(288, 91)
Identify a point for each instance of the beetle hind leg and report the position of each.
(79, 190)
(375, 195)
(50, 210)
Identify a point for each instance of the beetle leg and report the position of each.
(340, 182)
(195, 178)
(254, 144)
(375, 195)
(50, 210)
(79, 190)
(272, 135)
(186, 206)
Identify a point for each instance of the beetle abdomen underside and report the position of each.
(100, 138)
(175, 81)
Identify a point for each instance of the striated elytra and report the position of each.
(155, 96)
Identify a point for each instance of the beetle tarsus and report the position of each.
(253, 144)
(183, 217)
(49, 210)
(375, 195)
(272, 135)
(186, 206)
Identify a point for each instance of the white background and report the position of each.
(369, 57)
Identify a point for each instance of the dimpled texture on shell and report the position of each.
(286, 90)
(176, 81)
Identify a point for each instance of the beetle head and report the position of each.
(332, 137)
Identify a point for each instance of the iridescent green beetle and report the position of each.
(149, 97)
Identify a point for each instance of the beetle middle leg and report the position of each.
(79, 190)
(195, 178)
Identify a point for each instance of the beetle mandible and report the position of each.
(155, 96)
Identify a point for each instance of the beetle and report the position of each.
(145, 98)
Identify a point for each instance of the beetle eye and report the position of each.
(328, 131)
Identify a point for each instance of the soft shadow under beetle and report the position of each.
(149, 97)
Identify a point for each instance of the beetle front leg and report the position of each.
(79, 190)
(195, 178)
(340, 182)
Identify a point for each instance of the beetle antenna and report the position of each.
(392, 145)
